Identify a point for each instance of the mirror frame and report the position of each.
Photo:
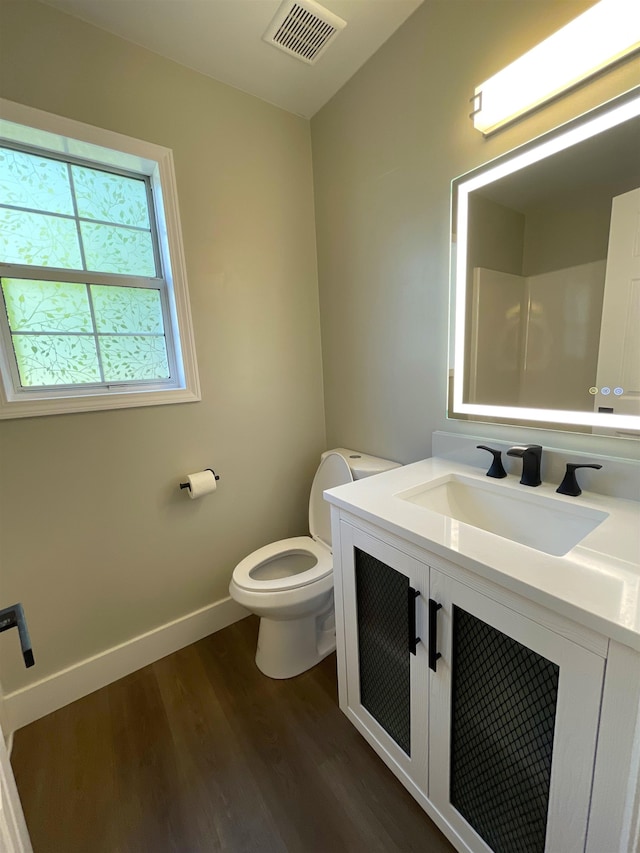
(597, 121)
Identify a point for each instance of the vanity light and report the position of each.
(602, 35)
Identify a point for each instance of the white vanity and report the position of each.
(498, 676)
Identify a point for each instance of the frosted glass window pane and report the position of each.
(134, 357)
(110, 198)
(38, 239)
(127, 309)
(110, 248)
(46, 306)
(56, 359)
(34, 182)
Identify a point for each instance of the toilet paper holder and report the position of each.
(188, 486)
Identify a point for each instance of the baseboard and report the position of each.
(41, 698)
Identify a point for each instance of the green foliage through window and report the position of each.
(53, 213)
(70, 216)
(65, 333)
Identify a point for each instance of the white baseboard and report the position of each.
(41, 698)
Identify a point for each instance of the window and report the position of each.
(93, 302)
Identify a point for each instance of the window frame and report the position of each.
(45, 134)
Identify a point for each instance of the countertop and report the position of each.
(597, 583)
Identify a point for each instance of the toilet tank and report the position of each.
(361, 464)
(334, 472)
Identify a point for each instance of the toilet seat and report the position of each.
(298, 545)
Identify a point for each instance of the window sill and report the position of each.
(66, 405)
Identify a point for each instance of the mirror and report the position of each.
(546, 280)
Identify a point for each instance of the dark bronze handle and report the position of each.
(497, 468)
(433, 633)
(411, 604)
(569, 486)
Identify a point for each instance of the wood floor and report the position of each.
(200, 752)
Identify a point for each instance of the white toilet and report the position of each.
(289, 583)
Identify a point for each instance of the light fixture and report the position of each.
(604, 34)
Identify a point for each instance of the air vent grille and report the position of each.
(303, 29)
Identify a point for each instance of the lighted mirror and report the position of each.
(546, 280)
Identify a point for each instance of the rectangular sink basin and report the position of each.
(538, 521)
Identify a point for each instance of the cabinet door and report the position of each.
(514, 716)
(384, 596)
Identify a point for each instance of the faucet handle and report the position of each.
(497, 468)
(569, 485)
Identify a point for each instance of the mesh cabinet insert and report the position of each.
(383, 638)
(503, 708)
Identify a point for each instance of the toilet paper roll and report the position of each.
(201, 483)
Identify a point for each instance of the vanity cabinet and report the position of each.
(485, 705)
(513, 725)
(385, 692)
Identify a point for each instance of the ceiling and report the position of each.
(223, 39)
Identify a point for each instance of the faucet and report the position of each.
(531, 455)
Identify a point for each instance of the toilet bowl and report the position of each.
(289, 583)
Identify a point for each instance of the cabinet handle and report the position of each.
(433, 633)
(411, 604)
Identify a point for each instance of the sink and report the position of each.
(538, 521)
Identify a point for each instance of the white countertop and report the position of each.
(597, 583)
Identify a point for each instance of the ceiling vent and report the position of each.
(303, 29)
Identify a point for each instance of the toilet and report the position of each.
(289, 584)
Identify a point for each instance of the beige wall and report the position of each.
(385, 149)
(96, 539)
(565, 235)
(495, 239)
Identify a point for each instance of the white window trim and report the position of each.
(48, 132)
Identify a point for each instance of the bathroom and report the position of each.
(317, 253)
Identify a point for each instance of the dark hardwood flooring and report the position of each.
(200, 752)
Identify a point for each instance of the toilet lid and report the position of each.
(259, 571)
(333, 471)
